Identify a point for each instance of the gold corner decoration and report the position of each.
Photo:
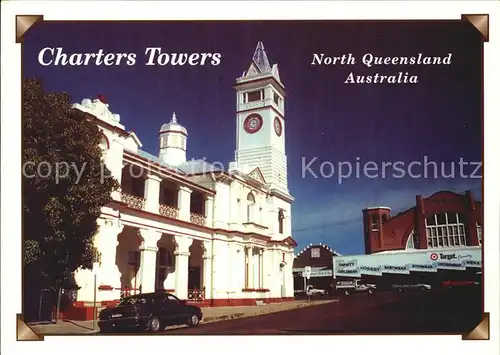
(24, 23)
(481, 23)
(24, 332)
(481, 332)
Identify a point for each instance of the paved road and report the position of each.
(440, 311)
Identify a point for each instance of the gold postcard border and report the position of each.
(481, 332)
(24, 332)
(480, 21)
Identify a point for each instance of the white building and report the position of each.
(221, 236)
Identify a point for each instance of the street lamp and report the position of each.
(95, 271)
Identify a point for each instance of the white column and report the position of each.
(152, 193)
(218, 270)
(280, 270)
(209, 205)
(148, 249)
(184, 203)
(289, 274)
(255, 268)
(182, 266)
(207, 269)
(250, 267)
(269, 270)
(262, 271)
(106, 241)
(113, 160)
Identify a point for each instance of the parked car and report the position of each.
(311, 291)
(463, 283)
(355, 286)
(149, 311)
(403, 287)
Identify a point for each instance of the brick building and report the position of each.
(440, 238)
(320, 258)
(443, 220)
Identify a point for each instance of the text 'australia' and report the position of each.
(400, 78)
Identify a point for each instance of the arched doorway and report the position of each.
(165, 264)
(128, 260)
(196, 288)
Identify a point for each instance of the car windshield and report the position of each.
(133, 300)
(173, 298)
(345, 283)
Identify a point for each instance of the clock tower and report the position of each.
(260, 121)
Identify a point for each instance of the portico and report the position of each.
(145, 260)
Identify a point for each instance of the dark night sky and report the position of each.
(440, 117)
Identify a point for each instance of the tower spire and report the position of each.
(260, 58)
(174, 118)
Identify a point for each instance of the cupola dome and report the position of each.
(173, 141)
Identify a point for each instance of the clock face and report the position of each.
(277, 126)
(252, 123)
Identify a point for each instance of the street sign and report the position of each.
(318, 273)
(308, 271)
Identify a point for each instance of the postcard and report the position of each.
(203, 173)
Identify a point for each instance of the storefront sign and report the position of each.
(450, 266)
(444, 256)
(472, 263)
(422, 267)
(347, 264)
(406, 261)
(395, 269)
(349, 272)
(370, 270)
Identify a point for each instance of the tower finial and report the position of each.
(260, 58)
(174, 118)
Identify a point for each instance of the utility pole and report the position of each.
(94, 316)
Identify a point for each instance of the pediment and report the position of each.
(256, 174)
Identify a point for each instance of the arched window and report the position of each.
(103, 143)
(445, 230)
(281, 217)
(479, 233)
(250, 205)
(410, 243)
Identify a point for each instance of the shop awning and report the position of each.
(404, 261)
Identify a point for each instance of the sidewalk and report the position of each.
(210, 314)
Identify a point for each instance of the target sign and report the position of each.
(434, 256)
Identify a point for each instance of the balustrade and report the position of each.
(197, 219)
(139, 203)
(133, 201)
(196, 295)
(169, 211)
